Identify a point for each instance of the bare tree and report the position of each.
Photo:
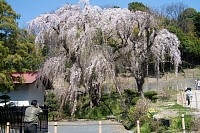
(89, 39)
(173, 11)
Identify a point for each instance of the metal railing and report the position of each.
(15, 115)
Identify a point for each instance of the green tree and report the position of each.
(189, 45)
(197, 23)
(8, 24)
(8, 34)
(116, 7)
(186, 20)
(17, 48)
(184, 23)
(135, 6)
(26, 49)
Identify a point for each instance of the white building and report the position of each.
(31, 88)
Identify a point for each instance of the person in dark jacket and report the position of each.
(31, 117)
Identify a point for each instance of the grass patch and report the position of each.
(176, 106)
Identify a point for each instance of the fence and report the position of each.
(191, 126)
(12, 118)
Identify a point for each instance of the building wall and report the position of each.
(27, 92)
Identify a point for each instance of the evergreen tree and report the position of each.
(8, 25)
(8, 34)
(137, 6)
(197, 24)
(17, 48)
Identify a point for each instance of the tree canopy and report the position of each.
(183, 22)
(197, 23)
(137, 6)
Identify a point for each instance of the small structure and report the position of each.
(28, 88)
(111, 117)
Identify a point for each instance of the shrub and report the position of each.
(128, 124)
(109, 105)
(177, 123)
(130, 92)
(152, 95)
(67, 109)
(145, 128)
(55, 115)
(144, 119)
(131, 97)
(151, 112)
(157, 127)
(51, 102)
(141, 108)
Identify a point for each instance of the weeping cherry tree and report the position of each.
(84, 42)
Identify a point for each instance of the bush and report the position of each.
(53, 105)
(141, 108)
(131, 97)
(109, 105)
(177, 123)
(145, 128)
(55, 115)
(157, 127)
(95, 113)
(67, 109)
(51, 102)
(128, 124)
(152, 95)
(130, 92)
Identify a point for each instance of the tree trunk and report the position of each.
(94, 96)
(140, 83)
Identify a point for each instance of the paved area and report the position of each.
(195, 100)
(107, 126)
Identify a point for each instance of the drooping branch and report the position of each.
(85, 41)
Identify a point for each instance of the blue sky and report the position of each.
(30, 9)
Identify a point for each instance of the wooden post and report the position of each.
(196, 100)
(183, 100)
(181, 95)
(100, 127)
(138, 126)
(183, 123)
(178, 98)
(8, 127)
(191, 101)
(55, 127)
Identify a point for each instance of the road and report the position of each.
(107, 126)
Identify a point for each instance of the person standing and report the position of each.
(188, 95)
(198, 84)
(31, 117)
